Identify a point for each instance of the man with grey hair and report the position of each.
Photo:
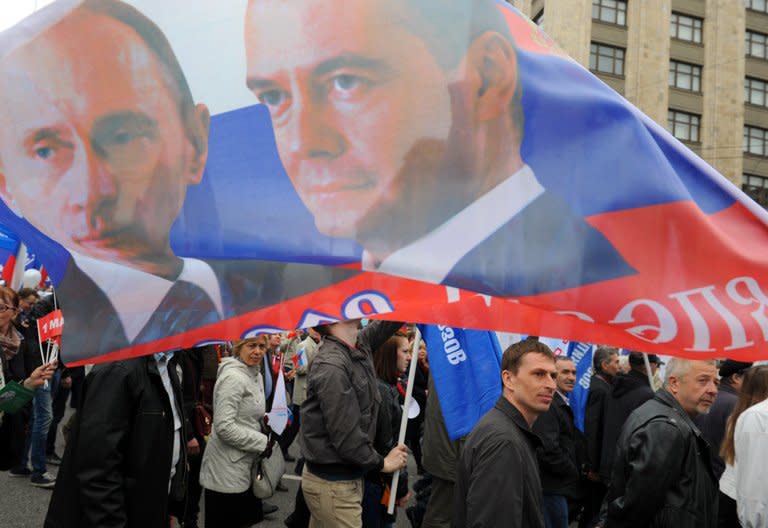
(662, 473)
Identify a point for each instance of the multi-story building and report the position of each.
(698, 67)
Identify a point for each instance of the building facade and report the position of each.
(698, 67)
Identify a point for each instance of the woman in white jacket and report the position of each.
(742, 489)
(236, 438)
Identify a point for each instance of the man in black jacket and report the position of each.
(713, 424)
(629, 391)
(497, 478)
(338, 423)
(125, 457)
(662, 475)
(605, 365)
(558, 459)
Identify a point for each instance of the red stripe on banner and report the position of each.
(684, 301)
(528, 36)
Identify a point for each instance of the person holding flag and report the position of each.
(338, 423)
(390, 361)
(14, 369)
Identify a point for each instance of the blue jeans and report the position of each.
(555, 511)
(42, 415)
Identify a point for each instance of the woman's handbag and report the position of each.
(202, 420)
(267, 470)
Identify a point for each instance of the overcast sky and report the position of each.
(14, 10)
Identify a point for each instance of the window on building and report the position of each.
(756, 187)
(755, 91)
(757, 5)
(685, 76)
(539, 19)
(686, 27)
(611, 11)
(755, 140)
(606, 59)
(757, 45)
(684, 126)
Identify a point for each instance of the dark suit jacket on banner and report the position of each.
(544, 248)
(92, 324)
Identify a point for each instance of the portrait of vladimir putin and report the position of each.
(100, 137)
(400, 125)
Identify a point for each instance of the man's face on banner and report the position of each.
(360, 106)
(92, 148)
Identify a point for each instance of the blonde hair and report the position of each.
(237, 345)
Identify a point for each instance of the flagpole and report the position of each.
(404, 418)
(42, 354)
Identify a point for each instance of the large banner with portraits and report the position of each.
(199, 170)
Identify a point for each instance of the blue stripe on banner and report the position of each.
(466, 366)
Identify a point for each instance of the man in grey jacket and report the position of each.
(338, 423)
(497, 479)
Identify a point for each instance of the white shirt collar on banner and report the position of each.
(135, 294)
(433, 256)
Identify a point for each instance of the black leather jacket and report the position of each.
(558, 460)
(662, 474)
(117, 462)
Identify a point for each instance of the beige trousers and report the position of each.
(333, 503)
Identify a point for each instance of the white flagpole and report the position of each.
(42, 354)
(404, 418)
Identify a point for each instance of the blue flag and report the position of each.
(581, 354)
(466, 365)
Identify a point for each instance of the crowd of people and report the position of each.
(153, 437)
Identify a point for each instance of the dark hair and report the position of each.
(513, 355)
(385, 358)
(156, 41)
(26, 292)
(602, 354)
(323, 330)
(449, 27)
(754, 389)
(8, 295)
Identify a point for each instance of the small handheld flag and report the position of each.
(299, 359)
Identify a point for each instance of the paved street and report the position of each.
(24, 506)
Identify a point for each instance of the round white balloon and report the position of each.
(31, 279)
(414, 410)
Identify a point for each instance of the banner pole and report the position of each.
(404, 418)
